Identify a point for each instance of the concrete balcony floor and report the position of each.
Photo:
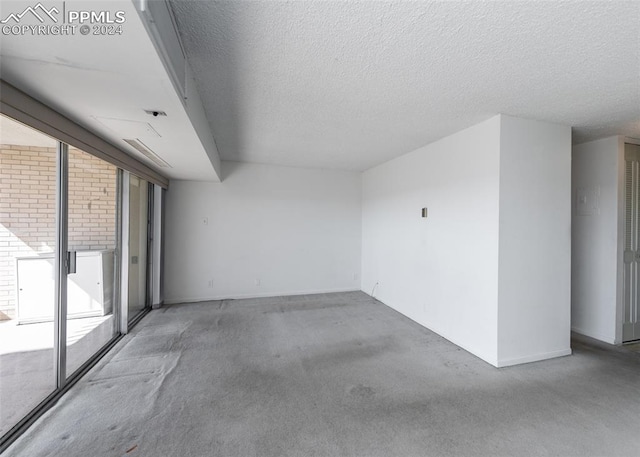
(27, 373)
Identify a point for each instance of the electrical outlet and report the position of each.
(205, 221)
(355, 276)
(257, 282)
(210, 283)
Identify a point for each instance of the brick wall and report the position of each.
(28, 204)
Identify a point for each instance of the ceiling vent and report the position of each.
(155, 112)
(148, 153)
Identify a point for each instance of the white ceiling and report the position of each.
(349, 85)
(105, 83)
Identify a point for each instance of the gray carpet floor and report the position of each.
(333, 375)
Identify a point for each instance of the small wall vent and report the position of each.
(148, 153)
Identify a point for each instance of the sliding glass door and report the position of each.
(75, 237)
(92, 240)
(139, 224)
(27, 269)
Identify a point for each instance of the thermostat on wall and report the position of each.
(587, 201)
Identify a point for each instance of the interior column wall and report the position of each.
(535, 241)
(489, 268)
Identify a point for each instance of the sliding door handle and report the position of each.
(71, 262)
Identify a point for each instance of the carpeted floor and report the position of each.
(333, 375)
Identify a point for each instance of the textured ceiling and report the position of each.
(352, 84)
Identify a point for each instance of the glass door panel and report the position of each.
(92, 235)
(138, 240)
(27, 273)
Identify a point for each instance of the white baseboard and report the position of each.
(173, 301)
(494, 361)
(533, 358)
(484, 357)
(595, 336)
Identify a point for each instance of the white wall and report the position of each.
(535, 241)
(441, 271)
(597, 206)
(294, 230)
(489, 269)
